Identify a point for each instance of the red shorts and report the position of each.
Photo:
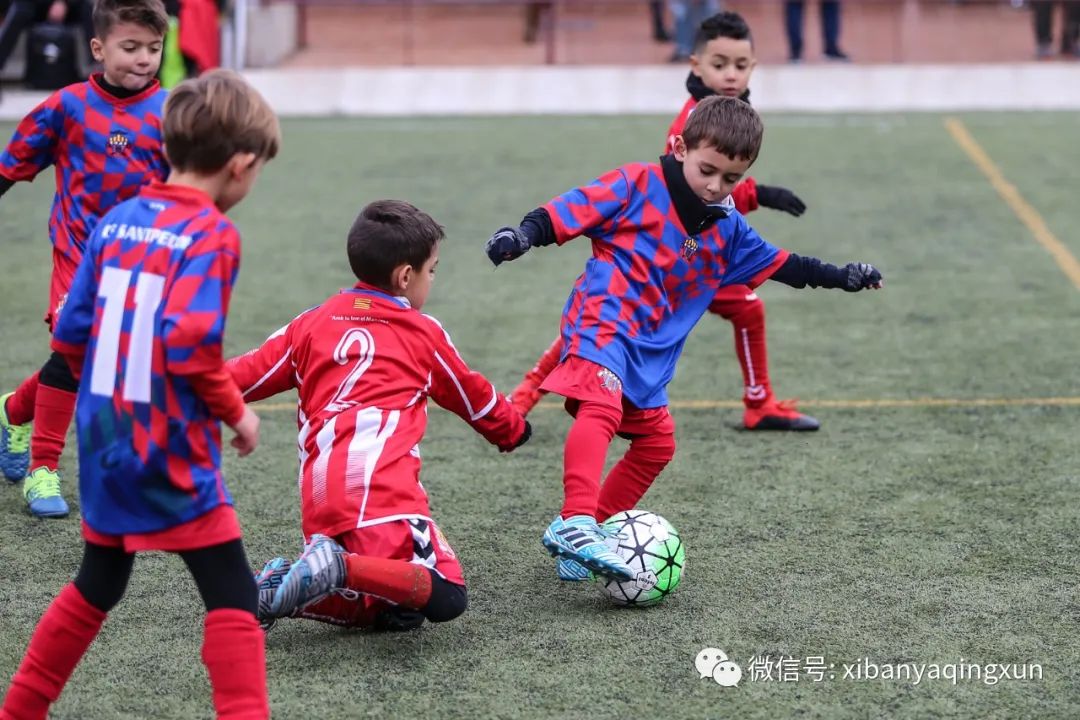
(63, 273)
(731, 300)
(218, 526)
(420, 542)
(416, 541)
(580, 380)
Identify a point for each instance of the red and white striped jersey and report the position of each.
(364, 364)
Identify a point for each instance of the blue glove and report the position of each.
(508, 243)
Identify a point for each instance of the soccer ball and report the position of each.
(653, 548)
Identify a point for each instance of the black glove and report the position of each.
(508, 243)
(778, 198)
(861, 276)
(521, 440)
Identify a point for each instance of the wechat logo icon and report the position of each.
(714, 663)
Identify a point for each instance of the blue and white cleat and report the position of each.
(41, 489)
(572, 571)
(579, 538)
(268, 580)
(14, 445)
(319, 571)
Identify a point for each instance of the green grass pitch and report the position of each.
(899, 534)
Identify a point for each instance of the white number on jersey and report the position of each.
(364, 354)
(115, 283)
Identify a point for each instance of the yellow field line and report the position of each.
(1012, 197)
(925, 402)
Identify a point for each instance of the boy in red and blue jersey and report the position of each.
(722, 63)
(143, 328)
(665, 238)
(104, 138)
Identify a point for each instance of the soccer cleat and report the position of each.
(525, 396)
(780, 415)
(319, 571)
(571, 570)
(14, 445)
(580, 538)
(268, 580)
(42, 492)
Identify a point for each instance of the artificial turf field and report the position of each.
(933, 518)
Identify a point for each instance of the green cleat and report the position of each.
(42, 492)
(14, 445)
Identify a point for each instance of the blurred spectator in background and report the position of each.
(688, 15)
(830, 29)
(19, 15)
(659, 30)
(1044, 28)
(534, 13)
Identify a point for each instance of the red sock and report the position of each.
(52, 416)
(20, 406)
(399, 581)
(60, 640)
(234, 652)
(584, 454)
(750, 347)
(632, 476)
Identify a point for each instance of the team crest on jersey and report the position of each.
(689, 247)
(609, 381)
(118, 143)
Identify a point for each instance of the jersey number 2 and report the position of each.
(114, 286)
(366, 355)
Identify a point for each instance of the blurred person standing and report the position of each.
(688, 15)
(1044, 28)
(830, 29)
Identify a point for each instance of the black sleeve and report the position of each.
(798, 272)
(5, 184)
(538, 228)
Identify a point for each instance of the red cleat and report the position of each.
(778, 415)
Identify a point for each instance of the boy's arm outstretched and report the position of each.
(33, 146)
(473, 398)
(266, 370)
(577, 212)
(751, 261)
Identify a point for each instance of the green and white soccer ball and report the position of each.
(652, 547)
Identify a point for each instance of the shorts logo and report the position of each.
(689, 247)
(118, 143)
(609, 381)
(444, 545)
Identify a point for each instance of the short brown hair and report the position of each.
(727, 124)
(388, 234)
(209, 119)
(147, 13)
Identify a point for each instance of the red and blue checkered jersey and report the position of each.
(364, 364)
(147, 309)
(649, 279)
(104, 149)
